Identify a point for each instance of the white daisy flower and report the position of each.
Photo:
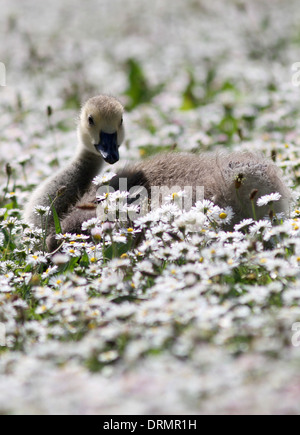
(243, 224)
(103, 179)
(267, 199)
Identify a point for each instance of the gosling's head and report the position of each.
(101, 128)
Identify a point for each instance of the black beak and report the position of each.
(108, 147)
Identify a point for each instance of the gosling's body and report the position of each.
(217, 173)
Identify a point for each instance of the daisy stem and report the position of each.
(103, 250)
(47, 223)
(239, 198)
(25, 175)
(253, 210)
(42, 224)
(273, 213)
(114, 250)
(52, 131)
(6, 188)
(7, 246)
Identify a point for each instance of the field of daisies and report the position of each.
(193, 319)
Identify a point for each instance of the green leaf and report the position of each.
(139, 90)
(84, 262)
(58, 229)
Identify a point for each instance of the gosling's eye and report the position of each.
(91, 120)
(121, 123)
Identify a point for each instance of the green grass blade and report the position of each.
(57, 225)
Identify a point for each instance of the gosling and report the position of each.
(228, 178)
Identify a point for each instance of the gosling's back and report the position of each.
(216, 172)
(228, 179)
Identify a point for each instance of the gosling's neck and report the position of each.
(86, 152)
(81, 171)
(89, 161)
(74, 180)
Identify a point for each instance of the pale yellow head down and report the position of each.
(101, 121)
